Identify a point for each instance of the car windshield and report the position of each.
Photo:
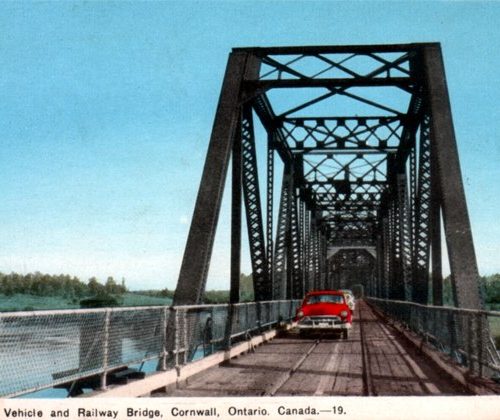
(324, 298)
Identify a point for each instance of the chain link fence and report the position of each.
(204, 329)
(43, 349)
(464, 334)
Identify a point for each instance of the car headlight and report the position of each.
(343, 314)
(300, 314)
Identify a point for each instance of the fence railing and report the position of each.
(464, 334)
(43, 349)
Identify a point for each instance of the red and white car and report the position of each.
(325, 310)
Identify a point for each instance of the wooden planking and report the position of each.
(305, 380)
(251, 374)
(334, 367)
(390, 372)
(349, 379)
(397, 368)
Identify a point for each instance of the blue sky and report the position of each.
(106, 110)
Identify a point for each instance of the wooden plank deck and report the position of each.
(375, 360)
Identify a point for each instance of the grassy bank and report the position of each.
(26, 302)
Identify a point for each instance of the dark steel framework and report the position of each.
(370, 168)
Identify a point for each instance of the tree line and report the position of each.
(63, 285)
(72, 287)
(212, 296)
(488, 285)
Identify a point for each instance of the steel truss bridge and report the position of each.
(361, 184)
(370, 179)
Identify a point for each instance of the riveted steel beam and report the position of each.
(198, 251)
(380, 177)
(457, 229)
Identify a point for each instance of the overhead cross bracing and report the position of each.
(366, 143)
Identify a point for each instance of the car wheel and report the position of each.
(345, 335)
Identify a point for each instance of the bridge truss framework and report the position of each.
(370, 180)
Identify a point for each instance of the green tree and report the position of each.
(111, 286)
(246, 288)
(95, 288)
(491, 288)
(7, 285)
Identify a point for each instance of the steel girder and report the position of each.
(422, 216)
(405, 257)
(270, 207)
(198, 251)
(366, 140)
(262, 287)
(289, 282)
(280, 260)
(457, 229)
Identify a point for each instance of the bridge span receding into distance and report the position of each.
(131, 352)
(362, 188)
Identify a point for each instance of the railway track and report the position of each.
(283, 379)
(336, 349)
(375, 360)
(331, 366)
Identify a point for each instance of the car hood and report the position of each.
(323, 308)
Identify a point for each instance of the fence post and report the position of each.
(453, 332)
(432, 328)
(163, 365)
(229, 326)
(212, 314)
(424, 322)
(470, 362)
(247, 319)
(176, 334)
(184, 337)
(480, 342)
(105, 349)
(259, 315)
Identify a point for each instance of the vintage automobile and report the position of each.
(349, 296)
(324, 311)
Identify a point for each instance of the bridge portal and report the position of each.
(364, 142)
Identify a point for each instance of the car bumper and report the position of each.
(323, 325)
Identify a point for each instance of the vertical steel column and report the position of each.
(397, 279)
(236, 191)
(412, 170)
(394, 286)
(282, 233)
(251, 193)
(312, 253)
(196, 260)
(302, 231)
(297, 287)
(323, 260)
(387, 256)
(404, 237)
(455, 215)
(290, 258)
(270, 205)
(377, 290)
(315, 256)
(422, 216)
(307, 251)
(435, 220)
